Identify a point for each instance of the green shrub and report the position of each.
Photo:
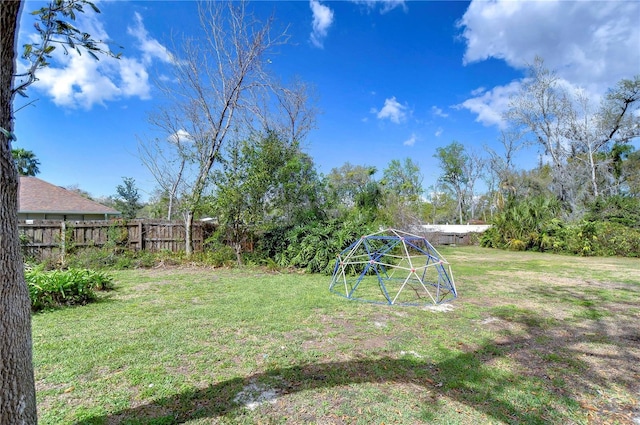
(107, 258)
(314, 246)
(217, 255)
(603, 239)
(616, 209)
(50, 289)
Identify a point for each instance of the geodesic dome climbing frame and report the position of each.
(393, 267)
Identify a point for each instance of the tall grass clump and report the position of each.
(56, 288)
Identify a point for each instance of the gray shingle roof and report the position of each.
(38, 196)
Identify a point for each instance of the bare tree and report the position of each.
(541, 109)
(473, 168)
(220, 89)
(295, 110)
(166, 159)
(501, 167)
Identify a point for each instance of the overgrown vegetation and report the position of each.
(610, 228)
(56, 288)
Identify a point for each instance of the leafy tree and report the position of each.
(368, 201)
(576, 135)
(404, 179)
(156, 207)
(26, 162)
(618, 154)
(231, 198)
(353, 188)
(630, 174)
(127, 200)
(264, 183)
(616, 209)
(17, 388)
(402, 183)
(441, 206)
(502, 173)
(473, 168)
(453, 160)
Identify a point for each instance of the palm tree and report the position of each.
(26, 162)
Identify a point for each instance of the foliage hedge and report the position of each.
(611, 227)
(312, 247)
(56, 288)
(585, 238)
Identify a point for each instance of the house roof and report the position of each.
(38, 196)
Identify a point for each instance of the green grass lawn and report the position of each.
(532, 338)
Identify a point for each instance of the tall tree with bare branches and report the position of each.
(222, 88)
(541, 109)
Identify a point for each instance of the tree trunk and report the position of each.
(188, 233)
(17, 388)
(594, 179)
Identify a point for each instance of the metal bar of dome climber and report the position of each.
(362, 275)
(374, 255)
(444, 276)
(421, 279)
(406, 257)
(424, 251)
(450, 280)
(344, 254)
(385, 253)
(383, 288)
(398, 266)
(339, 271)
(406, 253)
(340, 265)
(412, 272)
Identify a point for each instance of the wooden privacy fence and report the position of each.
(43, 239)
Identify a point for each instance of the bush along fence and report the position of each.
(52, 239)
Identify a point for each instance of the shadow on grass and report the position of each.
(468, 377)
(546, 385)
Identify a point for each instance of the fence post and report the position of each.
(140, 238)
(63, 240)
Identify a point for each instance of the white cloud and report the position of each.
(180, 136)
(392, 110)
(588, 44)
(385, 5)
(411, 140)
(150, 47)
(438, 112)
(439, 132)
(79, 81)
(491, 104)
(322, 20)
(134, 79)
(478, 91)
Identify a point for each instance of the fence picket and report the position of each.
(46, 239)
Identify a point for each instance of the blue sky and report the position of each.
(394, 78)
